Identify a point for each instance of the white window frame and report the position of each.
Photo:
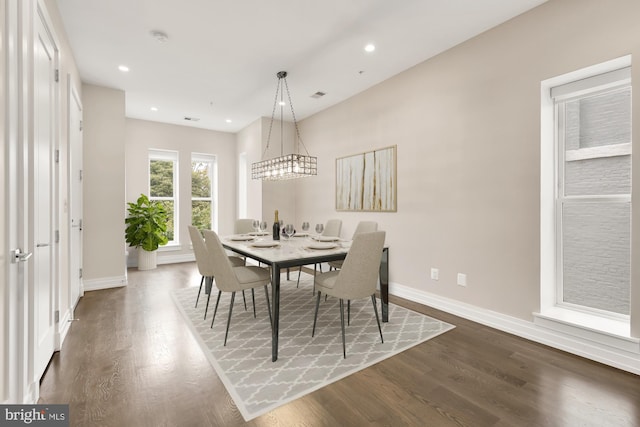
(213, 177)
(562, 317)
(167, 155)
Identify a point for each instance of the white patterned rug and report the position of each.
(258, 385)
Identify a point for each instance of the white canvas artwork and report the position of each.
(367, 181)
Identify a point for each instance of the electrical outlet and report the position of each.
(462, 279)
(435, 274)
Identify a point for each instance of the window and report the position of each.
(163, 186)
(203, 208)
(586, 198)
(593, 124)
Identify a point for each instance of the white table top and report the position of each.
(294, 248)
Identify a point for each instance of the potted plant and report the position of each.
(146, 228)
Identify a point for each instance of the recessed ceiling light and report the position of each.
(123, 68)
(282, 103)
(160, 36)
(370, 47)
(228, 120)
(154, 108)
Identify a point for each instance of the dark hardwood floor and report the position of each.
(130, 360)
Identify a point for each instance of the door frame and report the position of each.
(73, 100)
(17, 41)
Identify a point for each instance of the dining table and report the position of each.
(296, 251)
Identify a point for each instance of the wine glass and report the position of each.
(263, 226)
(288, 230)
(305, 226)
(256, 225)
(319, 228)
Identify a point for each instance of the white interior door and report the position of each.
(75, 195)
(42, 278)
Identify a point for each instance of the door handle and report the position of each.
(42, 245)
(19, 256)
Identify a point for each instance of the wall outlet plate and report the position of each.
(462, 279)
(435, 274)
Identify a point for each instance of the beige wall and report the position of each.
(467, 127)
(142, 135)
(104, 187)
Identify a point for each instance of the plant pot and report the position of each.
(147, 260)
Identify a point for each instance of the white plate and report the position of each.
(326, 238)
(322, 245)
(259, 233)
(241, 238)
(265, 244)
(300, 235)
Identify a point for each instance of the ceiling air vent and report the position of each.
(318, 94)
(192, 119)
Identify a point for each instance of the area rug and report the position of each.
(258, 385)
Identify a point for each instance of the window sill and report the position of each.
(611, 332)
(170, 247)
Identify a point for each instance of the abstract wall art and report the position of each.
(367, 181)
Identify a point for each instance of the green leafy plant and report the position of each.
(146, 224)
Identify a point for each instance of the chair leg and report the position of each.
(244, 300)
(344, 347)
(216, 309)
(233, 297)
(199, 290)
(253, 298)
(348, 312)
(266, 292)
(315, 316)
(375, 309)
(206, 308)
(299, 271)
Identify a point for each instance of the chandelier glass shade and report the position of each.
(289, 166)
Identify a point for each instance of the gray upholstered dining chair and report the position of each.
(356, 279)
(362, 227)
(331, 229)
(232, 279)
(205, 268)
(243, 226)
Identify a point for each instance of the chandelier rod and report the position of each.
(282, 77)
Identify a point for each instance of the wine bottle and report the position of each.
(276, 228)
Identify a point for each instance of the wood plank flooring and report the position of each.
(130, 360)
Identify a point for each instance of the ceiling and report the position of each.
(220, 59)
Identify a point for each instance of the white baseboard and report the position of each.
(626, 360)
(63, 330)
(104, 283)
(32, 394)
(164, 258)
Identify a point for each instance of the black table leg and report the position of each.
(275, 301)
(384, 284)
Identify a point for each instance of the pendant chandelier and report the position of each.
(288, 166)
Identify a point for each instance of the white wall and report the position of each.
(467, 127)
(104, 187)
(142, 135)
(249, 141)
